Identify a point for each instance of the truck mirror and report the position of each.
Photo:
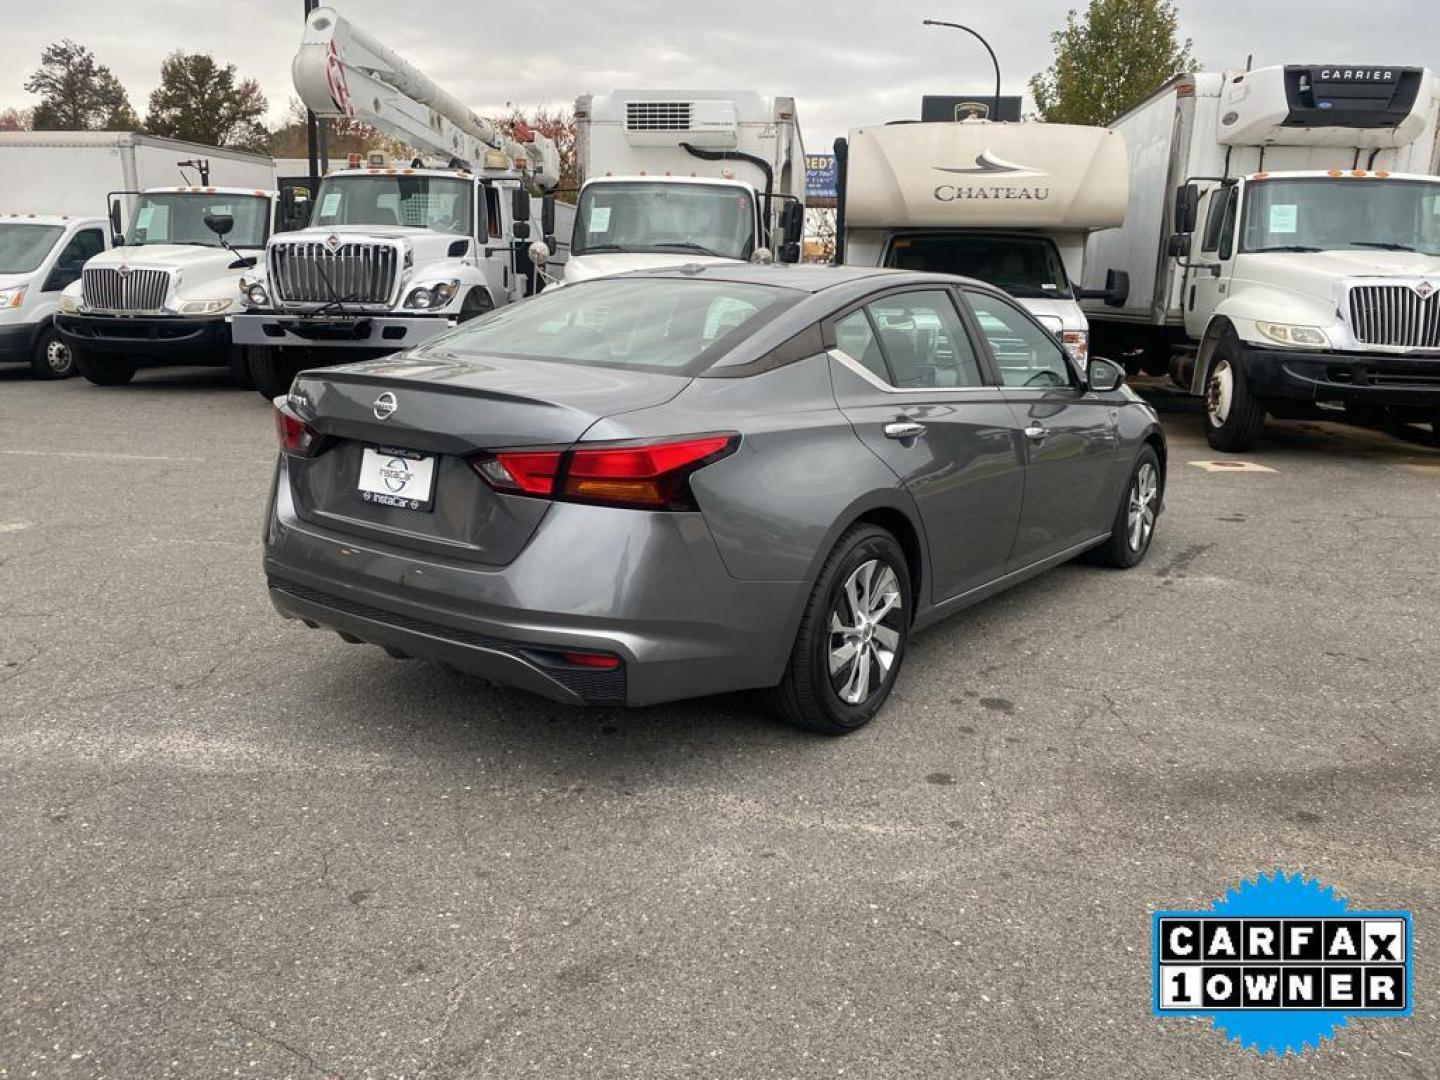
(1187, 205)
(520, 230)
(790, 251)
(1117, 287)
(1179, 245)
(547, 215)
(115, 230)
(793, 225)
(520, 206)
(220, 224)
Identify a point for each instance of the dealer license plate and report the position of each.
(399, 478)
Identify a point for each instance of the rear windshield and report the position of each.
(1027, 267)
(651, 324)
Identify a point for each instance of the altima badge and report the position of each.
(385, 406)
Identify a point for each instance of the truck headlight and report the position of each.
(205, 307)
(432, 296)
(12, 298)
(68, 304)
(1287, 334)
(256, 295)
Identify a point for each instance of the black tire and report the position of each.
(271, 370)
(807, 695)
(238, 360)
(1143, 491)
(477, 302)
(52, 358)
(1233, 415)
(109, 371)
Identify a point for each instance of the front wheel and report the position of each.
(112, 371)
(238, 361)
(1134, 524)
(52, 358)
(852, 636)
(1233, 415)
(271, 370)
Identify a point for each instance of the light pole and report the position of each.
(956, 26)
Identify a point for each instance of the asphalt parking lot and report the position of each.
(236, 847)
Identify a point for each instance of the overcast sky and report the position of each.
(847, 62)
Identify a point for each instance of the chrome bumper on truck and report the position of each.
(1381, 379)
(387, 332)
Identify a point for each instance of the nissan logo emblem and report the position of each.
(385, 405)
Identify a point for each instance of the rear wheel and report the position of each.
(238, 360)
(852, 636)
(1233, 415)
(52, 358)
(110, 371)
(271, 370)
(1134, 524)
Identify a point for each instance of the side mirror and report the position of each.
(547, 215)
(1103, 375)
(520, 205)
(219, 224)
(520, 230)
(1187, 206)
(792, 224)
(1117, 287)
(1179, 245)
(115, 230)
(539, 252)
(295, 208)
(790, 252)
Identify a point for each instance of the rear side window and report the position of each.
(855, 339)
(649, 324)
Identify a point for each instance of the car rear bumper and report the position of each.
(1354, 378)
(158, 339)
(384, 333)
(649, 588)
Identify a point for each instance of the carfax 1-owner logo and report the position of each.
(1280, 963)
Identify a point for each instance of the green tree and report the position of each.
(1110, 60)
(77, 93)
(200, 101)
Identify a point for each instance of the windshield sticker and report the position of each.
(600, 219)
(1284, 217)
(143, 217)
(330, 205)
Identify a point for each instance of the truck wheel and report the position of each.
(477, 302)
(238, 360)
(1233, 415)
(111, 371)
(271, 370)
(52, 358)
(852, 636)
(1134, 525)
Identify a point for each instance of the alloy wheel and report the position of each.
(1219, 392)
(1143, 505)
(865, 628)
(57, 356)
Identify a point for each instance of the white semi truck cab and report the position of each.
(1011, 204)
(675, 177)
(165, 292)
(1286, 244)
(396, 254)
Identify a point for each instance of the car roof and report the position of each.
(811, 278)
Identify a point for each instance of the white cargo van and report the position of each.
(40, 254)
(1008, 204)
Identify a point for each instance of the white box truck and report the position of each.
(1010, 204)
(40, 254)
(670, 177)
(1283, 244)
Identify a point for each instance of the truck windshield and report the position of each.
(1324, 214)
(682, 218)
(24, 247)
(178, 217)
(1027, 267)
(440, 203)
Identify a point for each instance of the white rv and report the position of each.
(1008, 204)
(679, 176)
(1283, 244)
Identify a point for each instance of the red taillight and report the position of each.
(599, 661)
(648, 475)
(296, 436)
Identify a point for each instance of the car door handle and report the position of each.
(905, 429)
(1036, 433)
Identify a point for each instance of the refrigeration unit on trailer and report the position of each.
(670, 177)
(1283, 244)
(397, 253)
(1009, 204)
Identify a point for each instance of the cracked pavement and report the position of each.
(234, 847)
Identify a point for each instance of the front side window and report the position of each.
(439, 203)
(678, 218)
(23, 247)
(83, 246)
(646, 324)
(1025, 266)
(924, 342)
(1328, 214)
(1026, 354)
(179, 218)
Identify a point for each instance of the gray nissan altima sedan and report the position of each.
(703, 479)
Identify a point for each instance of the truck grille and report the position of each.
(1395, 315)
(134, 290)
(315, 272)
(657, 116)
